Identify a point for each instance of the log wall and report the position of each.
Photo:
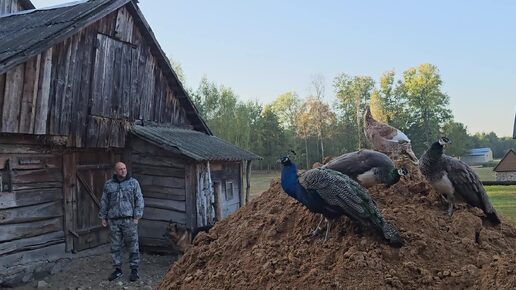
(31, 207)
(162, 178)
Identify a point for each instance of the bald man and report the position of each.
(121, 207)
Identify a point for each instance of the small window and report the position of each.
(229, 190)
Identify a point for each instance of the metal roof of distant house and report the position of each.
(478, 151)
(27, 33)
(194, 144)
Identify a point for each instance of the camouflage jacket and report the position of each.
(121, 199)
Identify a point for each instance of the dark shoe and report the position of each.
(134, 275)
(116, 274)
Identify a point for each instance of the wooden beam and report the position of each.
(172, 182)
(28, 99)
(165, 215)
(32, 243)
(13, 94)
(39, 175)
(31, 213)
(247, 180)
(41, 117)
(165, 204)
(69, 186)
(190, 196)
(10, 232)
(158, 171)
(29, 197)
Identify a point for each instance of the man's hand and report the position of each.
(135, 221)
(104, 222)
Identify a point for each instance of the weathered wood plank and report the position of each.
(13, 93)
(41, 119)
(153, 229)
(2, 93)
(140, 146)
(31, 213)
(34, 161)
(118, 80)
(164, 215)
(190, 196)
(173, 182)
(91, 239)
(149, 159)
(69, 185)
(83, 103)
(22, 148)
(67, 97)
(33, 243)
(37, 186)
(46, 254)
(30, 84)
(98, 75)
(39, 175)
(124, 25)
(164, 204)
(29, 197)
(60, 76)
(10, 232)
(158, 171)
(162, 192)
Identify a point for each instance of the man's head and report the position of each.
(120, 170)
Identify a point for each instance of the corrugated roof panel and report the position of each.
(194, 144)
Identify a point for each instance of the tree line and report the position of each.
(413, 102)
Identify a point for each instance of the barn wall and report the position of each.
(161, 175)
(31, 207)
(10, 6)
(90, 86)
(506, 176)
(222, 174)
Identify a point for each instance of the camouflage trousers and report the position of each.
(124, 232)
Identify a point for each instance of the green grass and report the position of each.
(485, 173)
(260, 181)
(503, 199)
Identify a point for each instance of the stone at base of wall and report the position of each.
(506, 176)
(24, 267)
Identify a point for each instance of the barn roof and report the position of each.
(28, 33)
(508, 162)
(194, 144)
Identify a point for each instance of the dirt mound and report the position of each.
(264, 245)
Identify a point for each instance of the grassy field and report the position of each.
(261, 180)
(502, 197)
(485, 173)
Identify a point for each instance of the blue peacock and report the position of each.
(334, 194)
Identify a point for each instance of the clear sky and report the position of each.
(264, 48)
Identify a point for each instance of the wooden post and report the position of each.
(247, 180)
(69, 187)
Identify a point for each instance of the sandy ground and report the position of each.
(92, 272)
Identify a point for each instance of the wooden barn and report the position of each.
(81, 86)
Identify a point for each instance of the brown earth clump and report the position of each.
(265, 245)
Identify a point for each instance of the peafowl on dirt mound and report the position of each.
(334, 194)
(455, 179)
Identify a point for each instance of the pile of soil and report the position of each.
(265, 245)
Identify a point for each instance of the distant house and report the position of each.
(478, 156)
(506, 168)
